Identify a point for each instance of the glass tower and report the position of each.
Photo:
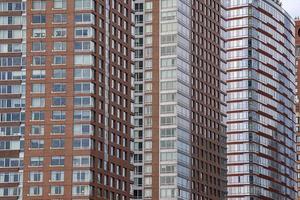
(261, 100)
(179, 136)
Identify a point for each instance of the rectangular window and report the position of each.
(38, 116)
(81, 190)
(38, 46)
(37, 130)
(84, 18)
(57, 161)
(82, 143)
(57, 143)
(38, 88)
(83, 129)
(84, 32)
(84, 60)
(84, 88)
(59, 4)
(57, 190)
(36, 144)
(38, 60)
(38, 19)
(58, 115)
(82, 161)
(38, 5)
(83, 115)
(58, 129)
(35, 191)
(36, 161)
(59, 60)
(39, 33)
(81, 74)
(60, 32)
(59, 88)
(84, 4)
(59, 101)
(59, 18)
(59, 74)
(82, 176)
(36, 176)
(57, 176)
(84, 46)
(37, 102)
(83, 101)
(59, 46)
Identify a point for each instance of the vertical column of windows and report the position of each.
(139, 111)
(12, 97)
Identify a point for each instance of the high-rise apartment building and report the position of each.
(179, 135)
(297, 32)
(65, 99)
(260, 44)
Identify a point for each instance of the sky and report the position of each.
(292, 7)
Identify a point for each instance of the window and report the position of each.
(165, 4)
(82, 161)
(83, 115)
(59, 46)
(36, 161)
(57, 190)
(84, 88)
(139, 30)
(58, 129)
(38, 116)
(139, 7)
(82, 176)
(39, 33)
(60, 32)
(84, 4)
(84, 18)
(57, 161)
(59, 74)
(38, 88)
(36, 176)
(38, 60)
(59, 87)
(83, 32)
(57, 176)
(37, 102)
(81, 190)
(57, 143)
(38, 74)
(59, 4)
(139, 19)
(11, 6)
(83, 101)
(84, 46)
(38, 19)
(38, 46)
(83, 129)
(58, 115)
(38, 5)
(84, 60)
(37, 130)
(148, 6)
(59, 60)
(11, 20)
(35, 191)
(58, 101)
(82, 143)
(37, 144)
(59, 18)
(81, 74)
